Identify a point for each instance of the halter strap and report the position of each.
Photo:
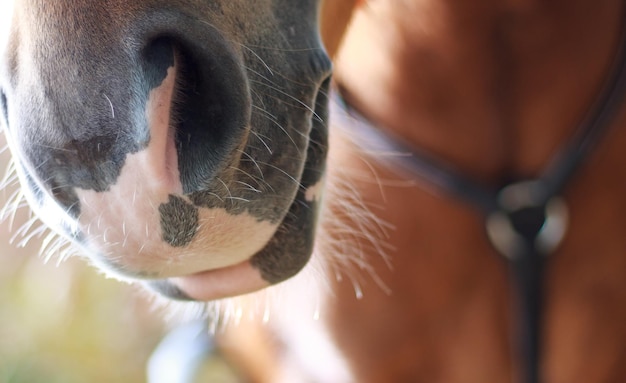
(526, 219)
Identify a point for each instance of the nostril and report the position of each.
(158, 57)
(208, 111)
(199, 106)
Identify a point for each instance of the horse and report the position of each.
(451, 118)
(106, 107)
(180, 144)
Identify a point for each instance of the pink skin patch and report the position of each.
(123, 225)
(221, 283)
(315, 192)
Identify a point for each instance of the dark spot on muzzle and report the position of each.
(179, 221)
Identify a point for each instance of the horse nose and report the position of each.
(209, 109)
(169, 89)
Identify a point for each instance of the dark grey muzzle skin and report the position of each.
(75, 78)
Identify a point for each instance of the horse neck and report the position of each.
(493, 89)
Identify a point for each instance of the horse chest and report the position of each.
(449, 317)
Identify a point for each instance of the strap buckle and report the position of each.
(527, 220)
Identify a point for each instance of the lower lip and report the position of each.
(226, 282)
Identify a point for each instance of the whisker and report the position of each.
(237, 199)
(23, 230)
(285, 94)
(110, 104)
(282, 171)
(294, 50)
(10, 175)
(230, 196)
(32, 233)
(281, 128)
(259, 57)
(243, 152)
(258, 136)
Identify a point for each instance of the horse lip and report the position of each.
(210, 285)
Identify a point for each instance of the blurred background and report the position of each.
(67, 323)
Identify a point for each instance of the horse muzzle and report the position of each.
(157, 144)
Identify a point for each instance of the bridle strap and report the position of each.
(525, 220)
(436, 172)
(594, 127)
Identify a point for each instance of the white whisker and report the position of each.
(272, 119)
(258, 136)
(281, 171)
(23, 230)
(111, 105)
(262, 177)
(286, 94)
(259, 57)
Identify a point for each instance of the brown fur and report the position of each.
(493, 88)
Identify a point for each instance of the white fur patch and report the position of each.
(123, 224)
(6, 14)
